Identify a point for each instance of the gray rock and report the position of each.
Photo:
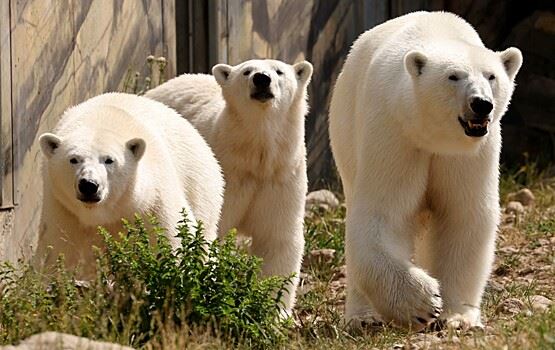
(62, 341)
(321, 256)
(514, 208)
(322, 199)
(539, 303)
(524, 196)
(511, 306)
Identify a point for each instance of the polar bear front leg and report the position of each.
(459, 250)
(275, 224)
(378, 251)
(380, 231)
(238, 196)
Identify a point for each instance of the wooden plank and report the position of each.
(218, 32)
(6, 157)
(320, 31)
(169, 36)
(200, 45)
(183, 35)
(42, 85)
(192, 26)
(402, 7)
(62, 53)
(239, 30)
(373, 12)
(111, 37)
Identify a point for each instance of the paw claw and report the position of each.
(421, 320)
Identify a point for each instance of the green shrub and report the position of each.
(143, 287)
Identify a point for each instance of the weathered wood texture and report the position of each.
(322, 32)
(55, 54)
(528, 126)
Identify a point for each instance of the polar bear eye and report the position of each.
(453, 77)
(73, 160)
(279, 72)
(491, 77)
(247, 72)
(108, 161)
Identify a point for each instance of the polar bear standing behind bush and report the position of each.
(415, 131)
(252, 115)
(116, 155)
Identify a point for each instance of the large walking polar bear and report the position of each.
(415, 131)
(116, 155)
(252, 115)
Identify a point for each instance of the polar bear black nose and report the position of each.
(87, 187)
(261, 80)
(481, 106)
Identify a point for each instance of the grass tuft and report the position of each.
(144, 290)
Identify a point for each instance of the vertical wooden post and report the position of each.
(6, 155)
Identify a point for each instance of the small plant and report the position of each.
(135, 84)
(144, 287)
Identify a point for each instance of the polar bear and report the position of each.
(252, 115)
(116, 155)
(415, 132)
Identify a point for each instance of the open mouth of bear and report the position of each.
(89, 199)
(475, 127)
(262, 95)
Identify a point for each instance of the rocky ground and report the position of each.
(518, 307)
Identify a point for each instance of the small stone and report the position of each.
(320, 256)
(540, 303)
(423, 341)
(494, 286)
(511, 306)
(514, 208)
(340, 272)
(524, 196)
(55, 340)
(502, 270)
(304, 288)
(526, 271)
(322, 199)
(454, 339)
(508, 250)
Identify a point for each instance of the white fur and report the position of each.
(260, 146)
(408, 167)
(161, 165)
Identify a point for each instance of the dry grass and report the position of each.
(524, 268)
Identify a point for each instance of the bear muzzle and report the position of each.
(88, 191)
(261, 87)
(475, 126)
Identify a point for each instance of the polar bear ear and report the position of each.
(49, 143)
(415, 62)
(221, 72)
(303, 71)
(137, 147)
(512, 61)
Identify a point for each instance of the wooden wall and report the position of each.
(320, 31)
(54, 54)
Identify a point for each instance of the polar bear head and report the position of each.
(90, 170)
(257, 86)
(461, 91)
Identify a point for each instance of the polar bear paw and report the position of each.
(463, 322)
(414, 300)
